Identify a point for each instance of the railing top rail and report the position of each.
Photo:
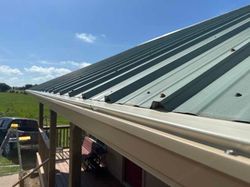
(58, 127)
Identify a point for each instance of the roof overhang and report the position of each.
(163, 142)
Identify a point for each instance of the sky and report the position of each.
(43, 39)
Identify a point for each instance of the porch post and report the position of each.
(41, 113)
(75, 156)
(52, 150)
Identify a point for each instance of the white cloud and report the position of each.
(85, 37)
(83, 64)
(7, 70)
(75, 63)
(47, 70)
(40, 79)
(71, 64)
(38, 73)
(45, 62)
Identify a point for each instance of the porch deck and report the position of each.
(88, 179)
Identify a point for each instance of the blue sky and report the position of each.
(43, 39)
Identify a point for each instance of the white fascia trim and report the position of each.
(221, 133)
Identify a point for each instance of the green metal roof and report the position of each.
(201, 70)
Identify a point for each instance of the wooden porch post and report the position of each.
(41, 113)
(52, 150)
(75, 156)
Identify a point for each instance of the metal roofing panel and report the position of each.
(159, 61)
(187, 71)
(202, 81)
(226, 98)
(177, 78)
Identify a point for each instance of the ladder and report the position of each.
(6, 140)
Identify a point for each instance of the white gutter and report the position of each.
(220, 133)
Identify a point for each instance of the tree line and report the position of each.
(5, 87)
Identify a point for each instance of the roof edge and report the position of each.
(196, 128)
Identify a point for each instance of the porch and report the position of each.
(88, 178)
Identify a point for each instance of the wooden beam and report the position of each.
(41, 170)
(75, 156)
(52, 150)
(41, 113)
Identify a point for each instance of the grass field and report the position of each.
(21, 105)
(10, 165)
(7, 166)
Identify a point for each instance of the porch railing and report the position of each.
(63, 134)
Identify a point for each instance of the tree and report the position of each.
(28, 86)
(4, 87)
